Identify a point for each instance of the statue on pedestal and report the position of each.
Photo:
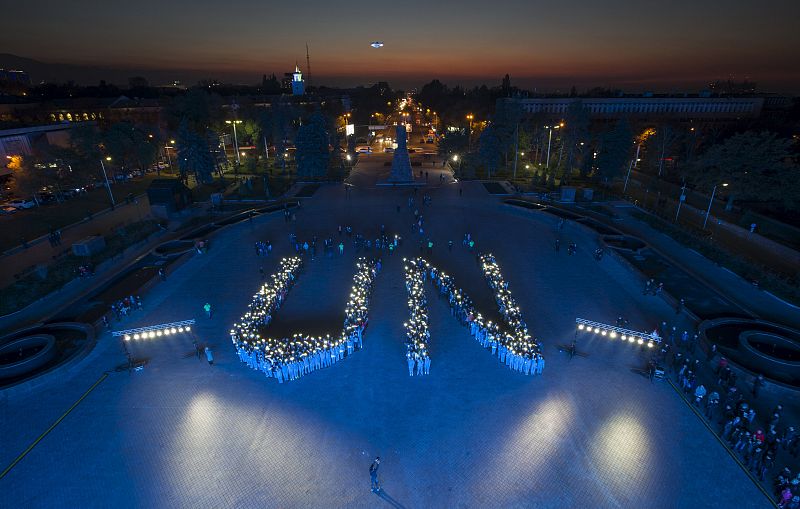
(401, 162)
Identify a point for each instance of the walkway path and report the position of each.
(42, 252)
(733, 287)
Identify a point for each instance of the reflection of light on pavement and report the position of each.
(530, 444)
(621, 452)
(274, 442)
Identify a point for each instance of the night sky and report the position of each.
(548, 45)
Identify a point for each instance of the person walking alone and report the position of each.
(207, 309)
(209, 356)
(373, 475)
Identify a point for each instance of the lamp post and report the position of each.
(235, 139)
(708, 211)
(630, 167)
(457, 160)
(549, 141)
(627, 176)
(469, 138)
(167, 149)
(681, 199)
(108, 185)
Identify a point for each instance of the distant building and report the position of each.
(20, 142)
(14, 82)
(298, 85)
(648, 108)
(14, 76)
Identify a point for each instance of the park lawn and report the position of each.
(33, 223)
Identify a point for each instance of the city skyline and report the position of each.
(542, 47)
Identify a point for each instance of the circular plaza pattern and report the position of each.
(588, 432)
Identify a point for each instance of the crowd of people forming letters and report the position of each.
(514, 346)
(290, 358)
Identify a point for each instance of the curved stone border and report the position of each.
(744, 341)
(47, 342)
(707, 324)
(55, 371)
(609, 239)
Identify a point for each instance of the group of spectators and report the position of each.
(287, 359)
(125, 306)
(54, 237)
(725, 404)
(263, 248)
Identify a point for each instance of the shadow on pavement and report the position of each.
(389, 500)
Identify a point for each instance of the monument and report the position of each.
(401, 162)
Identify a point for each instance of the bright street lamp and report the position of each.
(549, 140)
(108, 185)
(469, 139)
(708, 211)
(235, 139)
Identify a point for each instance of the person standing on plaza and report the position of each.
(373, 475)
(207, 309)
(757, 384)
(410, 361)
(209, 356)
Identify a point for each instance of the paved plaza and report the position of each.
(590, 433)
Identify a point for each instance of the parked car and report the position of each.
(20, 203)
(388, 150)
(46, 197)
(7, 210)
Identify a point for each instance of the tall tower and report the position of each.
(308, 68)
(298, 87)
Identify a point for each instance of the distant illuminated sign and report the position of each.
(350, 129)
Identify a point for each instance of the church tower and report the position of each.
(298, 87)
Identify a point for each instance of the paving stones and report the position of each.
(588, 433)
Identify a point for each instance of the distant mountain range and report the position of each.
(91, 75)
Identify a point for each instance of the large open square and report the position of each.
(591, 431)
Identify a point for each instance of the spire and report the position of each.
(308, 67)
